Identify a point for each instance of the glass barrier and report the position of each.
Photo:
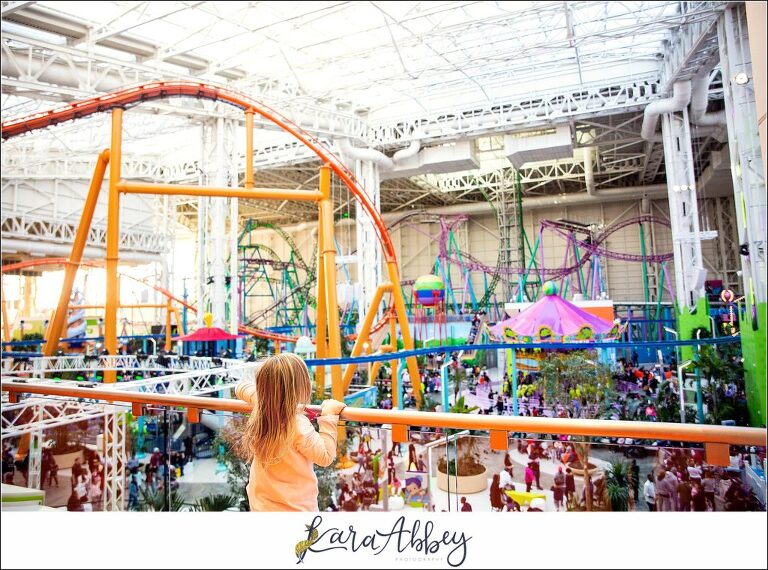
(61, 452)
(549, 475)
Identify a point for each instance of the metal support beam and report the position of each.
(749, 189)
(368, 250)
(683, 209)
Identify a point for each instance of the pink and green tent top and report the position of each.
(553, 318)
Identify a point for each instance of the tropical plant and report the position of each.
(576, 377)
(216, 503)
(459, 407)
(667, 405)
(238, 470)
(617, 485)
(157, 501)
(719, 371)
(456, 377)
(467, 460)
(327, 477)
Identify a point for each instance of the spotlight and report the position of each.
(741, 78)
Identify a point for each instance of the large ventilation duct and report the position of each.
(651, 192)
(699, 101)
(60, 73)
(536, 203)
(589, 173)
(681, 96)
(453, 157)
(367, 154)
(45, 249)
(553, 144)
(410, 151)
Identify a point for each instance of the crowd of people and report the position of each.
(684, 482)
(87, 480)
(362, 488)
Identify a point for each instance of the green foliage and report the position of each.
(327, 478)
(456, 378)
(426, 404)
(701, 332)
(461, 408)
(719, 371)
(617, 485)
(667, 405)
(216, 503)
(469, 463)
(31, 347)
(238, 470)
(576, 375)
(155, 501)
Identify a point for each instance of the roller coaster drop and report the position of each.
(328, 338)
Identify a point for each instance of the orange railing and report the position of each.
(715, 439)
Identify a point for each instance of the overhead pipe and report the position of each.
(58, 73)
(589, 173)
(11, 245)
(377, 157)
(681, 96)
(699, 102)
(408, 152)
(651, 191)
(368, 154)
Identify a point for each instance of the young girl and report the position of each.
(279, 439)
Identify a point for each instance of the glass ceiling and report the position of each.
(382, 58)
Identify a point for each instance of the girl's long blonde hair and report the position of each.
(282, 386)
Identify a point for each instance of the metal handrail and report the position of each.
(698, 433)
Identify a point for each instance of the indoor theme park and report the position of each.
(384, 256)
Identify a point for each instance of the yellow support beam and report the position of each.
(328, 255)
(59, 318)
(405, 332)
(113, 241)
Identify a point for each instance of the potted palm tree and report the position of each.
(577, 378)
(463, 473)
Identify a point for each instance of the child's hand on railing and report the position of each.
(331, 408)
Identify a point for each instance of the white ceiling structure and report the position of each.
(379, 73)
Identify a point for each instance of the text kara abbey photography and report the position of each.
(417, 538)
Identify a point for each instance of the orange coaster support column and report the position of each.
(405, 332)
(59, 318)
(320, 322)
(113, 237)
(328, 251)
(365, 332)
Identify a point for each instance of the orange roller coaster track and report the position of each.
(162, 89)
(328, 342)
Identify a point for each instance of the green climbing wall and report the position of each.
(753, 343)
(688, 321)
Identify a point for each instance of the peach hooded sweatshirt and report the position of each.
(291, 484)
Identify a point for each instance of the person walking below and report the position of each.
(649, 490)
(684, 496)
(709, 485)
(536, 470)
(530, 477)
(570, 483)
(496, 500)
(666, 491)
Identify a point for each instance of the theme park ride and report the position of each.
(328, 337)
(580, 272)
